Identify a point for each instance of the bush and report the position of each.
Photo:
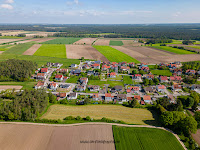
(69, 118)
(88, 118)
(78, 118)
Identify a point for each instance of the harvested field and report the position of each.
(6, 87)
(102, 42)
(131, 43)
(114, 112)
(32, 50)
(32, 137)
(85, 41)
(8, 40)
(86, 51)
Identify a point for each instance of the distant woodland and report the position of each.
(169, 31)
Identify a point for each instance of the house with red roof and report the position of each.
(132, 65)
(145, 69)
(41, 76)
(190, 72)
(124, 68)
(86, 66)
(129, 98)
(147, 99)
(175, 78)
(133, 89)
(137, 77)
(40, 85)
(105, 67)
(95, 96)
(137, 97)
(149, 76)
(59, 77)
(160, 88)
(96, 66)
(176, 87)
(163, 79)
(44, 70)
(108, 97)
(53, 86)
(111, 75)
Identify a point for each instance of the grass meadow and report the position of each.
(62, 41)
(101, 83)
(144, 139)
(19, 49)
(114, 55)
(5, 47)
(116, 43)
(116, 112)
(10, 37)
(173, 50)
(26, 85)
(161, 72)
(52, 50)
(197, 47)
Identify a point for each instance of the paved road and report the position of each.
(95, 123)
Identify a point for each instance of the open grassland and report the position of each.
(62, 41)
(5, 47)
(51, 50)
(161, 72)
(40, 60)
(114, 55)
(173, 50)
(25, 85)
(116, 112)
(144, 139)
(19, 49)
(10, 37)
(36, 137)
(116, 43)
(72, 79)
(102, 83)
(196, 47)
(127, 80)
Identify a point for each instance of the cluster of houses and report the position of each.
(117, 93)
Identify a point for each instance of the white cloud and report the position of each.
(74, 2)
(6, 6)
(9, 1)
(177, 14)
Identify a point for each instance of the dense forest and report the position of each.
(24, 106)
(16, 70)
(170, 31)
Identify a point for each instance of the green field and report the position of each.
(10, 37)
(26, 85)
(173, 50)
(72, 79)
(127, 138)
(115, 112)
(62, 41)
(101, 83)
(19, 49)
(116, 43)
(52, 50)
(114, 55)
(161, 72)
(197, 47)
(5, 47)
(127, 80)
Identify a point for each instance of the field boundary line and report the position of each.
(97, 123)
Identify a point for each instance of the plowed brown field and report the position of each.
(85, 41)
(32, 50)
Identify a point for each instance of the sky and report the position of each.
(99, 11)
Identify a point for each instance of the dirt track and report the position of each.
(32, 137)
(85, 41)
(86, 51)
(6, 87)
(32, 50)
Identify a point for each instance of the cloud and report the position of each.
(9, 1)
(6, 6)
(177, 14)
(74, 2)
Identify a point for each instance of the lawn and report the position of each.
(116, 43)
(197, 47)
(101, 83)
(114, 55)
(173, 50)
(128, 80)
(144, 139)
(40, 60)
(26, 85)
(161, 72)
(19, 49)
(52, 50)
(115, 112)
(62, 41)
(72, 79)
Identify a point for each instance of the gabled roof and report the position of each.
(59, 76)
(137, 97)
(147, 97)
(44, 70)
(164, 78)
(161, 87)
(108, 95)
(40, 74)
